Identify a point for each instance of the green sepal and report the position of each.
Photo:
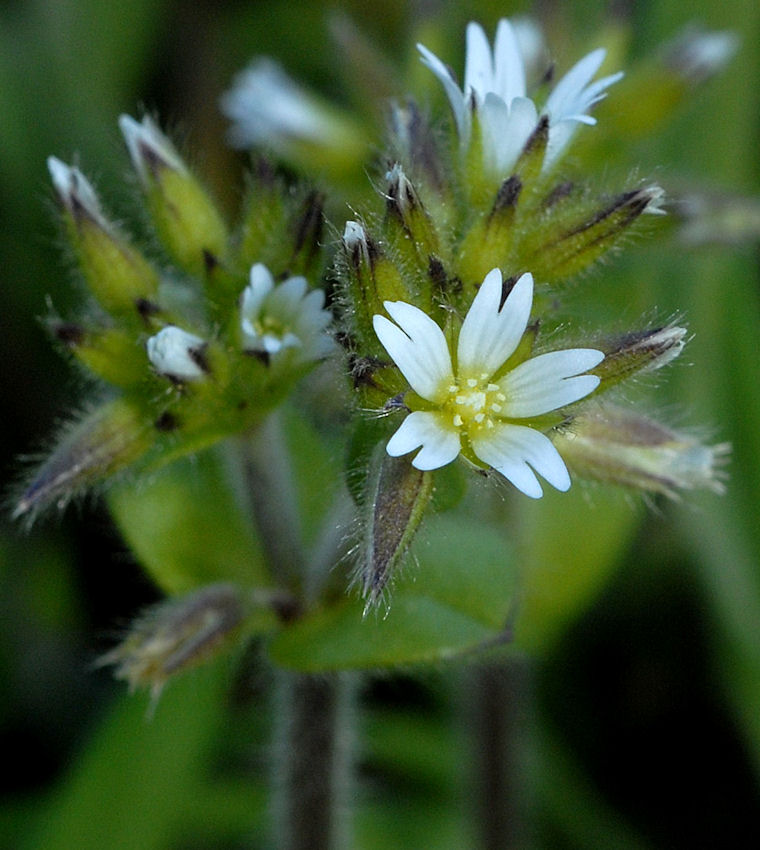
(186, 219)
(116, 273)
(571, 239)
(112, 354)
(101, 443)
(398, 494)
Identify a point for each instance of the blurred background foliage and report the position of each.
(634, 693)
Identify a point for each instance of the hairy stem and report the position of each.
(313, 738)
(499, 703)
(271, 494)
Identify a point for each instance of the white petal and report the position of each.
(506, 131)
(261, 280)
(478, 69)
(568, 93)
(440, 445)
(513, 449)
(509, 71)
(456, 98)
(489, 335)
(418, 347)
(547, 382)
(285, 300)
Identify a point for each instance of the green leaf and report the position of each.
(185, 527)
(455, 598)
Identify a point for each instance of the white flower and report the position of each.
(149, 147)
(475, 408)
(494, 85)
(274, 319)
(177, 354)
(267, 106)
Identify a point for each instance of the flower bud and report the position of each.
(177, 354)
(408, 225)
(118, 275)
(188, 223)
(490, 241)
(643, 351)
(631, 450)
(569, 243)
(398, 496)
(102, 443)
(371, 278)
(178, 635)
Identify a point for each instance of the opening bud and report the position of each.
(627, 449)
(188, 223)
(177, 354)
(371, 278)
(117, 274)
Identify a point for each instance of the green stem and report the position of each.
(313, 761)
(273, 499)
(499, 715)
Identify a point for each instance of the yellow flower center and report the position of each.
(474, 403)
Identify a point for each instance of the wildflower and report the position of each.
(177, 354)
(268, 109)
(265, 104)
(275, 319)
(473, 409)
(697, 55)
(495, 90)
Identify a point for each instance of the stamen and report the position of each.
(479, 417)
(496, 408)
(458, 421)
(472, 383)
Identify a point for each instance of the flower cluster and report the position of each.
(447, 303)
(201, 343)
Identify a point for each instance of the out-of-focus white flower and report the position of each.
(266, 105)
(494, 86)
(476, 407)
(286, 317)
(697, 55)
(177, 354)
